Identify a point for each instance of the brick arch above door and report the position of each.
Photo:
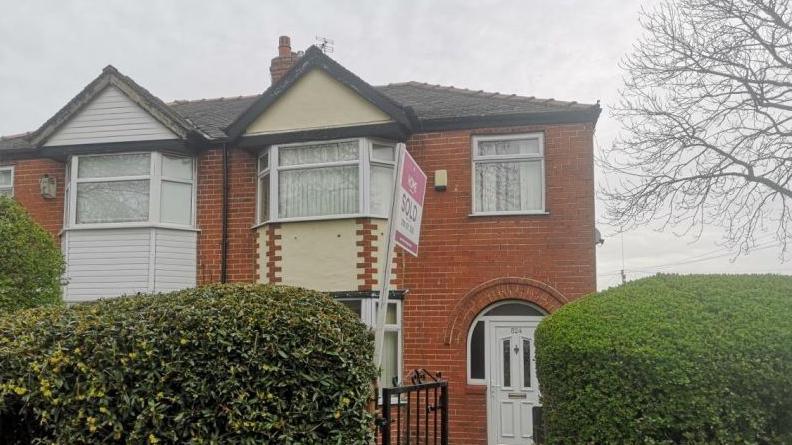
(485, 294)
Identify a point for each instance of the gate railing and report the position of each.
(415, 414)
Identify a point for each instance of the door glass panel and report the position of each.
(514, 310)
(526, 363)
(507, 362)
(477, 352)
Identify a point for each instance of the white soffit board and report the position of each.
(110, 117)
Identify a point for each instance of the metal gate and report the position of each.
(416, 414)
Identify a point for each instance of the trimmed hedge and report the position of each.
(31, 263)
(219, 364)
(671, 359)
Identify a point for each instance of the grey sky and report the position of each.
(565, 49)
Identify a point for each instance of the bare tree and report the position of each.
(707, 122)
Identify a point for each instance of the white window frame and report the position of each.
(368, 315)
(363, 162)
(155, 179)
(479, 159)
(11, 187)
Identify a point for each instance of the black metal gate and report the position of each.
(416, 414)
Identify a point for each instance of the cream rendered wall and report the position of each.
(319, 255)
(317, 101)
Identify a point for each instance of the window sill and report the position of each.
(317, 218)
(129, 226)
(538, 213)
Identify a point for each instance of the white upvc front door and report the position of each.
(513, 387)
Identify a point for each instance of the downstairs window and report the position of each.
(7, 181)
(366, 309)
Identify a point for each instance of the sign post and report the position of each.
(409, 189)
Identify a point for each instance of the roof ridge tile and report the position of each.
(484, 94)
(210, 99)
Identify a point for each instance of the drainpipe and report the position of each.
(224, 223)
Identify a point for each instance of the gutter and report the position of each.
(224, 223)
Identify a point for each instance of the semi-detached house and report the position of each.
(292, 186)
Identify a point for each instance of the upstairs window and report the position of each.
(330, 179)
(131, 188)
(7, 181)
(508, 174)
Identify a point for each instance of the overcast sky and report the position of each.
(564, 49)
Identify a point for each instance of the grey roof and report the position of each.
(15, 142)
(441, 102)
(429, 102)
(213, 116)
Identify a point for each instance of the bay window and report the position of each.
(328, 179)
(366, 309)
(130, 188)
(6, 181)
(508, 174)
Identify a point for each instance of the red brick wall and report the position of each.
(459, 252)
(209, 208)
(465, 262)
(27, 173)
(242, 240)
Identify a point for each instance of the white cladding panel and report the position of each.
(110, 117)
(112, 262)
(175, 259)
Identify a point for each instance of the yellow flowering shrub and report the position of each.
(232, 364)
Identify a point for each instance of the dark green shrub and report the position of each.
(671, 359)
(219, 364)
(30, 262)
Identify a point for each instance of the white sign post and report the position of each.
(409, 189)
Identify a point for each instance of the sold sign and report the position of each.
(410, 198)
(405, 230)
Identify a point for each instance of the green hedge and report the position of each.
(30, 262)
(671, 359)
(219, 364)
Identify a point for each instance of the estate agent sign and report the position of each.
(409, 189)
(410, 198)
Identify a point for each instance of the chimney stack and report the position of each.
(286, 58)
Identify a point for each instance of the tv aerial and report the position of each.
(324, 44)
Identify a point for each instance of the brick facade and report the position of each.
(27, 174)
(466, 262)
(367, 238)
(242, 241)
(272, 262)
